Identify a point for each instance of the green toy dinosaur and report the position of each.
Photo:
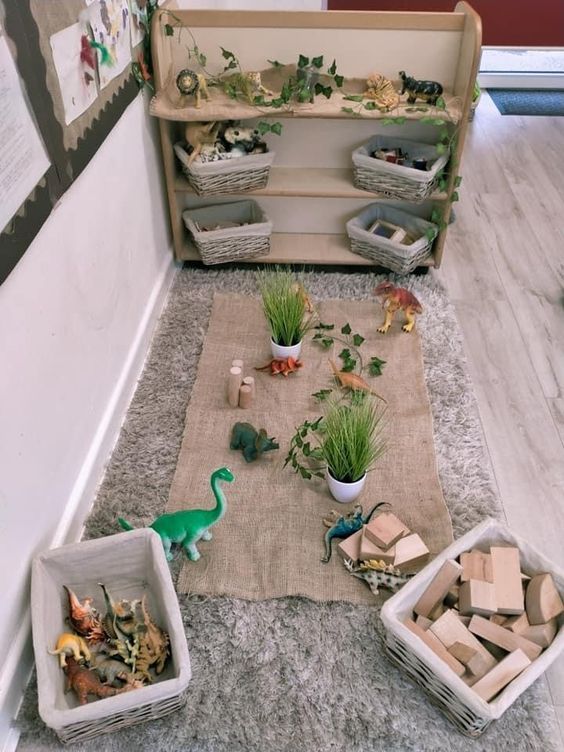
(189, 526)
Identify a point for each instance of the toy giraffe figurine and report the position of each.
(396, 299)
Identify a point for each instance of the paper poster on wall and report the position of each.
(23, 159)
(74, 60)
(138, 20)
(109, 20)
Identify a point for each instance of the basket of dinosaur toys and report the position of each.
(398, 167)
(391, 237)
(110, 648)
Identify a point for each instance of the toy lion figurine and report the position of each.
(381, 90)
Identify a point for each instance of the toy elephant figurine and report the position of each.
(253, 443)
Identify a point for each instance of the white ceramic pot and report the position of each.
(344, 492)
(280, 351)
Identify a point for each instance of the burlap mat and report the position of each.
(270, 542)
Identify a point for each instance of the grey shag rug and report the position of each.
(290, 674)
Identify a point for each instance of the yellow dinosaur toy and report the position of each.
(70, 644)
(397, 299)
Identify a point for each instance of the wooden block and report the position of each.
(245, 397)
(350, 547)
(499, 619)
(500, 676)
(369, 550)
(250, 381)
(436, 646)
(423, 622)
(517, 623)
(543, 599)
(506, 572)
(385, 529)
(233, 384)
(437, 589)
(410, 551)
(449, 629)
(476, 565)
(541, 634)
(502, 637)
(477, 597)
(451, 598)
(473, 661)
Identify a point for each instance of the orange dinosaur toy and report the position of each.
(352, 381)
(85, 682)
(396, 299)
(283, 366)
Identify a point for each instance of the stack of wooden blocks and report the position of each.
(486, 619)
(240, 390)
(385, 538)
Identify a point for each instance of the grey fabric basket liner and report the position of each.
(356, 228)
(362, 158)
(237, 211)
(224, 166)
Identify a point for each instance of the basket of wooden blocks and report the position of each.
(478, 625)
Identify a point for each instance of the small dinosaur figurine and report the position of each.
(396, 299)
(341, 526)
(352, 381)
(85, 682)
(281, 365)
(71, 645)
(253, 443)
(154, 644)
(111, 671)
(189, 526)
(84, 618)
(378, 574)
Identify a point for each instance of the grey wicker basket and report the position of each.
(248, 241)
(399, 257)
(393, 180)
(130, 564)
(235, 175)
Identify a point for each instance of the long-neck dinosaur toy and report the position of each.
(189, 526)
(341, 526)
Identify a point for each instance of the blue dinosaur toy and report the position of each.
(341, 526)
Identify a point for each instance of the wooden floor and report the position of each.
(504, 270)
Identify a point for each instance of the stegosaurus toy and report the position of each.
(378, 574)
(397, 299)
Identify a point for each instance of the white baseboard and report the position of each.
(16, 669)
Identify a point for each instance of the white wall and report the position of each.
(76, 315)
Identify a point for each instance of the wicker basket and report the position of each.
(395, 180)
(233, 243)
(455, 698)
(399, 257)
(130, 564)
(226, 175)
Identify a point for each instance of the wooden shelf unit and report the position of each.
(313, 162)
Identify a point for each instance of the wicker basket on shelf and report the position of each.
(249, 239)
(394, 180)
(398, 256)
(233, 176)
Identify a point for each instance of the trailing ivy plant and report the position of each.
(302, 87)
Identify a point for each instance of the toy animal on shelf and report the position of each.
(84, 618)
(342, 526)
(352, 381)
(200, 136)
(71, 645)
(85, 682)
(253, 443)
(377, 574)
(190, 83)
(281, 365)
(397, 299)
(428, 91)
(248, 84)
(189, 526)
(381, 90)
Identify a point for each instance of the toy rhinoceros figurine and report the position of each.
(428, 91)
(253, 443)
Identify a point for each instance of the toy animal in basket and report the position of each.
(382, 91)
(239, 142)
(189, 526)
(190, 83)
(85, 682)
(200, 135)
(397, 299)
(428, 91)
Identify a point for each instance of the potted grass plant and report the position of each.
(285, 304)
(349, 441)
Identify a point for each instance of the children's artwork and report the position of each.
(75, 63)
(109, 20)
(138, 20)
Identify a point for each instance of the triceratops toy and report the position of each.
(253, 443)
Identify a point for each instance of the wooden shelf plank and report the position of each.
(299, 248)
(310, 182)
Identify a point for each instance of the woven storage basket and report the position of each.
(233, 243)
(226, 175)
(395, 180)
(399, 257)
(455, 698)
(130, 564)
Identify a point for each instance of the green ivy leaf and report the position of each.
(322, 394)
(435, 216)
(345, 354)
(326, 343)
(349, 366)
(370, 106)
(306, 475)
(339, 80)
(231, 91)
(304, 95)
(350, 111)
(278, 102)
(259, 99)
(346, 329)
(387, 121)
(441, 148)
(440, 104)
(263, 127)
(333, 69)
(354, 98)
(412, 109)
(438, 122)
(429, 120)
(455, 196)
(357, 340)
(325, 90)
(400, 120)
(443, 135)
(327, 327)
(169, 31)
(303, 61)
(276, 128)
(226, 53)
(457, 181)
(376, 365)
(317, 62)
(430, 234)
